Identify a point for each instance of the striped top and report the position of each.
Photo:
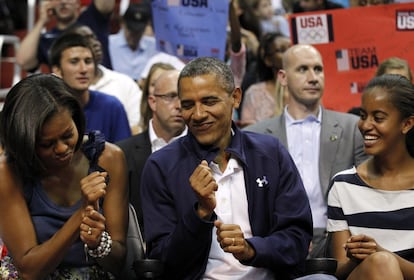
(387, 216)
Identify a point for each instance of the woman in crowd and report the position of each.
(269, 21)
(64, 200)
(267, 97)
(371, 207)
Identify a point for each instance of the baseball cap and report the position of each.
(136, 17)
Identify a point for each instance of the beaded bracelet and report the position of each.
(103, 249)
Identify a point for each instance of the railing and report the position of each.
(15, 41)
(31, 13)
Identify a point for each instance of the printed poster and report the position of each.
(191, 28)
(353, 42)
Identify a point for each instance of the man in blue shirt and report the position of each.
(130, 48)
(71, 58)
(33, 50)
(220, 203)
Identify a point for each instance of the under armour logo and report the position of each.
(262, 182)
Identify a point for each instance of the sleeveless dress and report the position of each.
(48, 217)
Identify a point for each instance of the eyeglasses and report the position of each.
(169, 97)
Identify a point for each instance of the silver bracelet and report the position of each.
(103, 249)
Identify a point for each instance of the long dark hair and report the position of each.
(264, 72)
(28, 105)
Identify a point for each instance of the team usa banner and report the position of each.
(353, 42)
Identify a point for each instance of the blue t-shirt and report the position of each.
(91, 17)
(107, 114)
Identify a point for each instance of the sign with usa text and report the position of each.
(353, 42)
(191, 28)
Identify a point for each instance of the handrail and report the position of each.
(10, 39)
(31, 13)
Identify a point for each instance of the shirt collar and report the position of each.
(209, 153)
(143, 43)
(310, 118)
(156, 141)
(153, 137)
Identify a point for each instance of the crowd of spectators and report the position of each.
(142, 99)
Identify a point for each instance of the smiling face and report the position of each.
(207, 109)
(57, 141)
(381, 124)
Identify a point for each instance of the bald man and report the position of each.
(322, 142)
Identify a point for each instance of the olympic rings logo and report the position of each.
(312, 34)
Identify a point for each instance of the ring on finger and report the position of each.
(233, 241)
(90, 231)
